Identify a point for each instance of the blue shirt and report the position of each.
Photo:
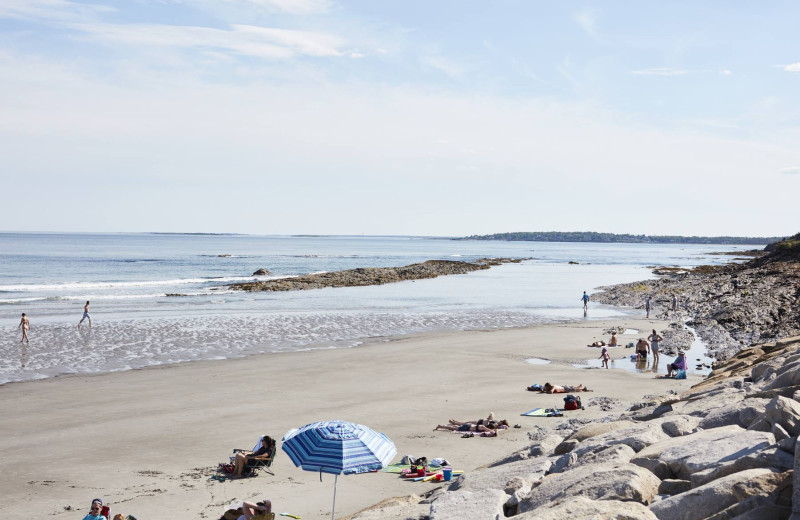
(90, 516)
(585, 297)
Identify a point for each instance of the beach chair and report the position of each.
(264, 461)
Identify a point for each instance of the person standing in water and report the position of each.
(585, 299)
(25, 325)
(85, 316)
(655, 340)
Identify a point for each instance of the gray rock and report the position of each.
(705, 501)
(400, 508)
(673, 486)
(742, 413)
(771, 457)
(566, 446)
(789, 445)
(597, 482)
(594, 429)
(796, 484)
(779, 432)
(487, 503)
(638, 437)
(785, 412)
(707, 449)
(497, 477)
(261, 272)
(581, 508)
(516, 484)
(680, 425)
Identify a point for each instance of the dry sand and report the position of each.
(147, 441)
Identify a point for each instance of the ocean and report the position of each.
(128, 277)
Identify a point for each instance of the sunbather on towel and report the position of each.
(480, 422)
(558, 389)
(476, 421)
(243, 457)
(471, 427)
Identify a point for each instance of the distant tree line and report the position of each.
(592, 236)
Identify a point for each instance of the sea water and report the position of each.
(164, 298)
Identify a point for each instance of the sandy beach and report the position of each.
(148, 440)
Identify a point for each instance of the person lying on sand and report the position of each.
(490, 417)
(600, 343)
(248, 510)
(470, 427)
(480, 422)
(558, 389)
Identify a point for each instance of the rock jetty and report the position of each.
(729, 306)
(373, 275)
(725, 449)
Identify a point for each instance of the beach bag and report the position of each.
(571, 402)
(680, 374)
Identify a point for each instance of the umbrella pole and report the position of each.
(333, 507)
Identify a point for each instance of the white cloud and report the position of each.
(290, 6)
(794, 67)
(660, 71)
(791, 171)
(587, 21)
(248, 40)
(725, 72)
(50, 10)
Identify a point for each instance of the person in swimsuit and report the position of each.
(604, 356)
(647, 306)
(85, 316)
(476, 421)
(613, 341)
(642, 349)
(25, 325)
(558, 389)
(655, 339)
(470, 427)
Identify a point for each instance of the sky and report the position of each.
(436, 118)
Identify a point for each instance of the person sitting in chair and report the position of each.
(243, 457)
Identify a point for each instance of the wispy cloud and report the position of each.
(246, 40)
(587, 20)
(282, 6)
(791, 171)
(660, 71)
(50, 10)
(794, 67)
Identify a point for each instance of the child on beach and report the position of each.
(604, 356)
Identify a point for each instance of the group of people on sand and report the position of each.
(244, 511)
(25, 323)
(488, 427)
(643, 348)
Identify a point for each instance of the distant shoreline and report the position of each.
(592, 236)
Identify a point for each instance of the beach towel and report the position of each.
(544, 412)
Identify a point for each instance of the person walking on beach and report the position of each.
(655, 339)
(85, 316)
(647, 305)
(25, 325)
(674, 302)
(604, 356)
(585, 299)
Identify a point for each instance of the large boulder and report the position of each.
(613, 454)
(624, 482)
(742, 413)
(785, 412)
(679, 425)
(770, 457)
(487, 503)
(708, 500)
(638, 437)
(582, 508)
(497, 477)
(707, 449)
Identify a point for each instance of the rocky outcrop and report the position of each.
(724, 449)
(261, 272)
(373, 275)
(729, 306)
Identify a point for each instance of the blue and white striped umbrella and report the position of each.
(338, 447)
